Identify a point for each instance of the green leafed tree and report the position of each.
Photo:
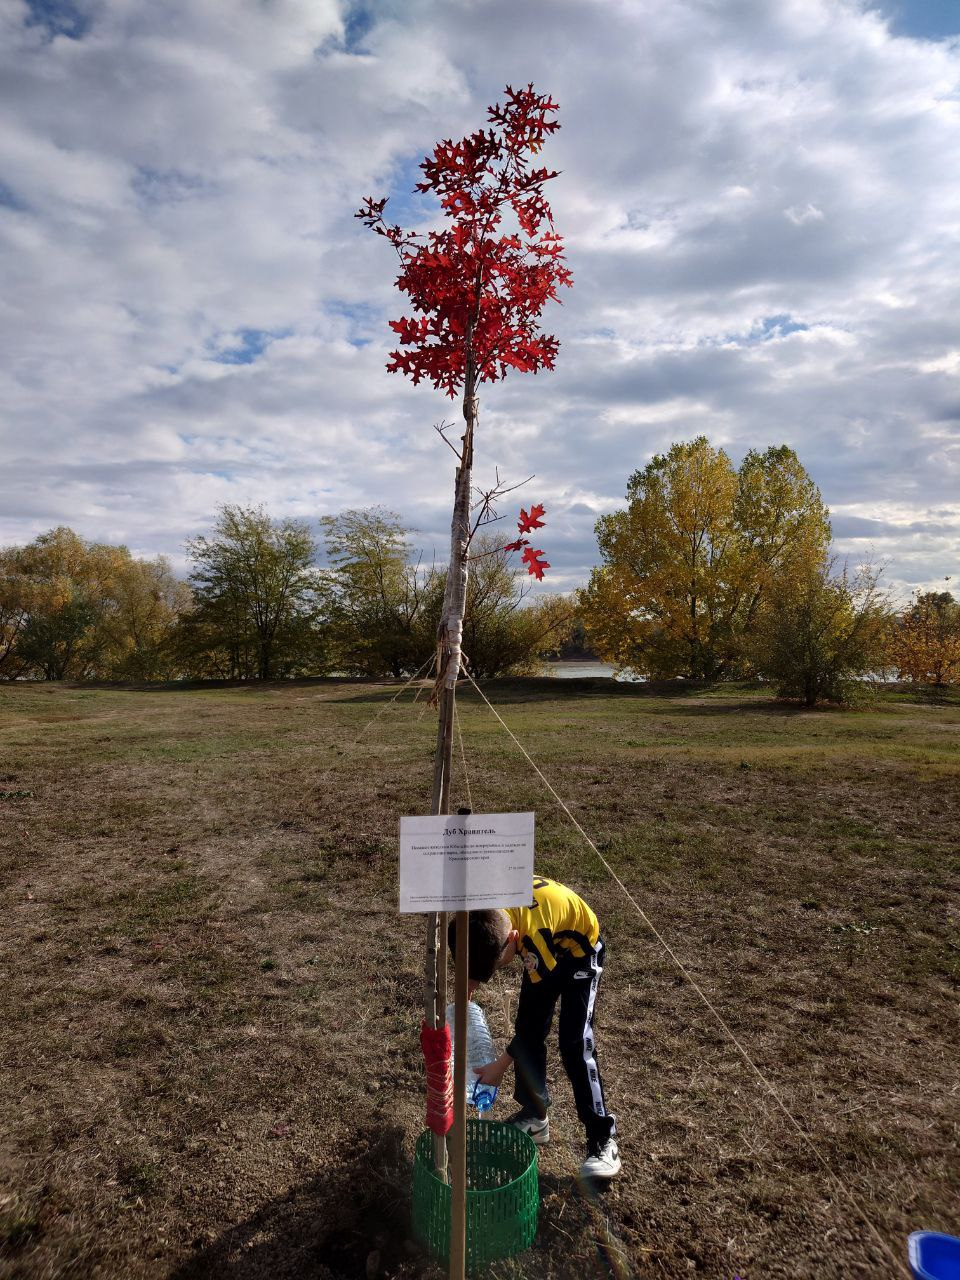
(819, 642)
(379, 598)
(689, 562)
(386, 607)
(258, 599)
(505, 633)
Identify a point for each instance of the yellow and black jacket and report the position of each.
(557, 926)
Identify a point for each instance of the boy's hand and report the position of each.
(493, 1072)
(472, 985)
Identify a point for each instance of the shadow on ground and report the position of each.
(354, 1223)
(324, 1229)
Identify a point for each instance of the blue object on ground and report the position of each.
(934, 1256)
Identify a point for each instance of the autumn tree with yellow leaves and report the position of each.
(79, 610)
(925, 640)
(17, 602)
(700, 550)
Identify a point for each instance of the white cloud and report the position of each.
(800, 214)
(761, 216)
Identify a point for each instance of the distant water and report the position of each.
(578, 670)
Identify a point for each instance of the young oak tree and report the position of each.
(477, 287)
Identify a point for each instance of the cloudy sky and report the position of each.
(761, 206)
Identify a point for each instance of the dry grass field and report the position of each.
(210, 1006)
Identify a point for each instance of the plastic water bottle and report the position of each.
(480, 1051)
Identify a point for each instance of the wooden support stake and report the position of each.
(444, 922)
(436, 972)
(458, 1143)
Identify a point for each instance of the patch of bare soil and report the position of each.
(208, 1049)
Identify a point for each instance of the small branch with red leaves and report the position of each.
(532, 557)
(487, 513)
(528, 521)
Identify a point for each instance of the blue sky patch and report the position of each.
(776, 326)
(60, 17)
(779, 327)
(922, 19)
(9, 198)
(362, 319)
(357, 22)
(246, 345)
(407, 206)
(165, 186)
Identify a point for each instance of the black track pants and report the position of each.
(574, 984)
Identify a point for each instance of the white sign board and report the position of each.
(457, 863)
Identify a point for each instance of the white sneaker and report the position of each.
(536, 1129)
(603, 1160)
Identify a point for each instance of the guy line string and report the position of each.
(305, 795)
(721, 1021)
(463, 757)
(715, 1013)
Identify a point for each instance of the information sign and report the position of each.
(463, 863)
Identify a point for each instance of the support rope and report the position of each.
(463, 756)
(305, 795)
(721, 1021)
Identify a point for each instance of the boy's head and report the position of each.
(493, 942)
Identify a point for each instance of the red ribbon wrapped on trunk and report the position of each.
(438, 1060)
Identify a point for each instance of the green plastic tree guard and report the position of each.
(502, 1195)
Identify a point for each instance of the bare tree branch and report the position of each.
(441, 428)
(485, 504)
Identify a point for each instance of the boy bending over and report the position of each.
(558, 941)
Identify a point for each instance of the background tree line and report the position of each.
(708, 573)
(258, 605)
(712, 572)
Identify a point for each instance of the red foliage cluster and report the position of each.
(532, 558)
(477, 288)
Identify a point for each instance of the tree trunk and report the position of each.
(449, 638)
(450, 633)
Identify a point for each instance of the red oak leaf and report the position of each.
(515, 546)
(532, 519)
(534, 564)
